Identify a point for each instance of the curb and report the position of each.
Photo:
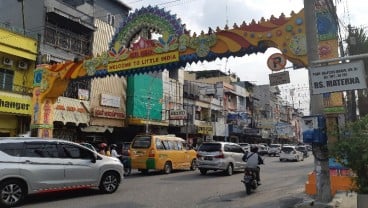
(342, 199)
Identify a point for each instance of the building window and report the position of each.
(6, 79)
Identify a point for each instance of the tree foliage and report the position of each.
(351, 150)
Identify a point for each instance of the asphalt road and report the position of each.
(282, 186)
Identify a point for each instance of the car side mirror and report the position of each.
(94, 158)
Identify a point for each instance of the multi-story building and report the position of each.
(277, 120)
(18, 51)
(267, 111)
(205, 116)
(68, 30)
(235, 100)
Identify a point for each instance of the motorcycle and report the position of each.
(250, 180)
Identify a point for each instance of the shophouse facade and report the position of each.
(235, 99)
(68, 30)
(277, 120)
(205, 115)
(18, 51)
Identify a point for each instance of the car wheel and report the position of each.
(167, 168)
(109, 182)
(203, 171)
(12, 193)
(281, 160)
(297, 159)
(193, 164)
(229, 170)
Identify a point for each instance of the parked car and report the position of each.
(36, 165)
(245, 146)
(262, 149)
(223, 156)
(291, 153)
(303, 149)
(274, 149)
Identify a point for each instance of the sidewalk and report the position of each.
(341, 199)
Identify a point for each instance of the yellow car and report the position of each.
(161, 152)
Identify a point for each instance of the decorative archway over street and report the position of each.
(174, 49)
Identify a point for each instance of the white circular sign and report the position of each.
(276, 62)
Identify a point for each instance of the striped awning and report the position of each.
(69, 110)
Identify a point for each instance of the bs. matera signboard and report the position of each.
(339, 77)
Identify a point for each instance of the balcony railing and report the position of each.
(17, 89)
(67, 40)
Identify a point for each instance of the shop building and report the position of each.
(17, 59)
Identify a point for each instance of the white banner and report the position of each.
(178, 114)
(339, 77)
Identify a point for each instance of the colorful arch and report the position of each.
(175, 48)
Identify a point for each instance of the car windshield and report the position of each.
(287, 149)
(142, 142)
(210, 147)
(274, 146)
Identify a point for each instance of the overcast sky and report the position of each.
(201, 14)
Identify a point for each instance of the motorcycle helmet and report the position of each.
(103, 145)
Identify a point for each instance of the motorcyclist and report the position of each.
(253, 161)
(114, 153)
(102, 147)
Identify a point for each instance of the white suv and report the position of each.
(35, 165)
(291, 153)
(274, 149)
(224, 156)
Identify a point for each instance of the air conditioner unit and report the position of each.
(45, 58)
(22, 65)
(7, 61)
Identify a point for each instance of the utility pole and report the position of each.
(351, 101)
(316, 107)
(24, 25)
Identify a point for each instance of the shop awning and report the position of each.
(69, 110)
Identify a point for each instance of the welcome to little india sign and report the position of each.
(144, 61)
(339, 77)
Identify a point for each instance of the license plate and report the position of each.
(207, 158)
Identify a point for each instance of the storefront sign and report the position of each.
(69, 110)
(15, 105)
(339, 77)
(110, 100)
(178, 114)
(144, 61)
(205, 130)
(108, 113)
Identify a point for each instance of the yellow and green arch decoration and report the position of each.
(175, 48)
